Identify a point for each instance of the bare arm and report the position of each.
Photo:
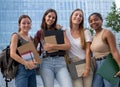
(87, 66)
(88, 55)
(15, 56)
(13, 48)
(112, 44)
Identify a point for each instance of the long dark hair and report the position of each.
(43, 24)
(20, 18)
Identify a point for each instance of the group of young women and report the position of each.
(78, 43)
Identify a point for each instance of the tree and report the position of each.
(113, 18)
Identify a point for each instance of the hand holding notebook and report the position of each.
(52, 40)
(29, 52)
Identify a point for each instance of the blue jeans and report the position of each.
(25, 77)
(99, 81)
(55, 68)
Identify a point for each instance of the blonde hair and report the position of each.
(81, 28)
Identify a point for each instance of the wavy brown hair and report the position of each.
(81, 28)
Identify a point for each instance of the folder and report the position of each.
(29, 52)
(52, 40)
(108, 69)
(76, 69)
(59, 35)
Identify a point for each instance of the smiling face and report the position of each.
(50, 18)
(77, 17)
(95, 21)
(24, 23)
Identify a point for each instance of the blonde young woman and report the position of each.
(80, 40)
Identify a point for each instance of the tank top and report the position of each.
(98, 47)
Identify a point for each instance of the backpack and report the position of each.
(38, 37)
(8, 65)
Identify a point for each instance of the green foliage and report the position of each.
(91, 30)
(113, 18)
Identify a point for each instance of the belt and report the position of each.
(101, 58)
(52, 56)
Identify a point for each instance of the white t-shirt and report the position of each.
(76, 49)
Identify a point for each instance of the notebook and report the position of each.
(52, 40)
(29, 52)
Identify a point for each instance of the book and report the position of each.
(76, 69)
(59, 35)
(29, 52)
(108, 69)
(52, 40)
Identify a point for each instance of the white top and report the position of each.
(76, 49)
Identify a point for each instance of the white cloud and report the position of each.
(117, 3)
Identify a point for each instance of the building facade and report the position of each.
(10, 10)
